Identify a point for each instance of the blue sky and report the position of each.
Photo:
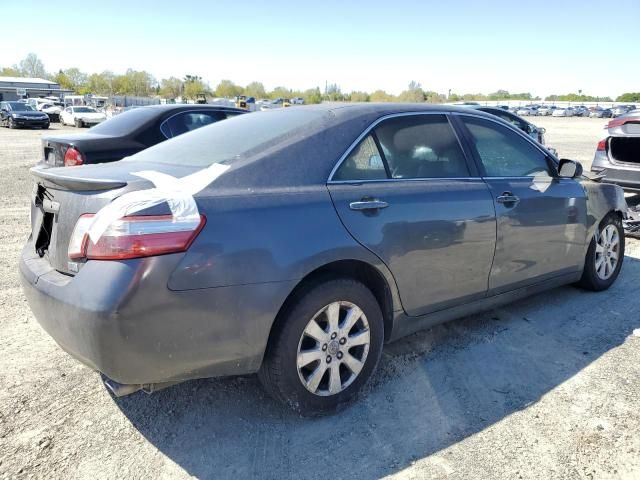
(540, 46)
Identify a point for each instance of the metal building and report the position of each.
(15, 88)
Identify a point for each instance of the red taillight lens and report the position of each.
(602, 145)
(73, 157)
(135, 237)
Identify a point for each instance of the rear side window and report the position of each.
(364, 163)
(421, 146)
(502, 152)
(188, 121)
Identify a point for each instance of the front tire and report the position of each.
(324, 347)
(605, 255)
(79, 123)
(11, 124)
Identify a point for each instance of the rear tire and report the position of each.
(324, 347)
(604, 256)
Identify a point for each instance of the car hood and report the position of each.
(29, 114)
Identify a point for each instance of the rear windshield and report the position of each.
(234, 139)
(125, 122)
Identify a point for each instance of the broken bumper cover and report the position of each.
(140, 332)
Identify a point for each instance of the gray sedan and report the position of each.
(295, 242)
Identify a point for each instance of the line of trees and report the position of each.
(142, 83)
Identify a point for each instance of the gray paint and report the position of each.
(271, 221)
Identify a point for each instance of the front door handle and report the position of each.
(368, 205)
(507, 198)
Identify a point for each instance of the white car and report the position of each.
(525, 112)
(81, 116)
(546, 110)
(563, 112)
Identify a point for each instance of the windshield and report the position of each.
(125, 122)
(234, 139)
(20, 107)
(84, 110)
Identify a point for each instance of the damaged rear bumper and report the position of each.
(121, 319)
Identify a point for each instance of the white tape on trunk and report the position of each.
(176, 192)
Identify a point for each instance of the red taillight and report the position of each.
(73, 157)
(134, 237)
(602, 145)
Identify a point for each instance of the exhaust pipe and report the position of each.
(122, 389)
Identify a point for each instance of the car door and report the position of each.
(3, 113)
(407, 192)
(541, 218)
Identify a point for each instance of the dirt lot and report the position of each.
(543, 388)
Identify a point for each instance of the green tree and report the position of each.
(413, 94)
(171, 87)
(311, 96)
(628, 97)
(195, 87)
(10, 72)
(280, 92)
(381, 96)
(256, 90)
(227, 89)
(32, 66)
(359, 96)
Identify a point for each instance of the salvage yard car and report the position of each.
(18, 114)
(295, 242)
(81, 116)
(130, 132)
(617, 156)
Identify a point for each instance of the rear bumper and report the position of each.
(121, 319)
(627, 178)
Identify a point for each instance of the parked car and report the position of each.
(525, 111)
(537, 133)
(546, 110)
(206, 275)
(129, 132)
(297, 101)
(19, 114)
(600, 113)
(53, 111)
(622, 110)
(563, 112)
(81, 116)
(617, 156)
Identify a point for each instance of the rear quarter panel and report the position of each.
(602, 198)
(268, 236)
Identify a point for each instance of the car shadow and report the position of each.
(432, 390)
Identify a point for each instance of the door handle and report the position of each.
(507, 197)
(368, 205)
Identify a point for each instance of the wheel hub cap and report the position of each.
(607, 250)
(333, 348)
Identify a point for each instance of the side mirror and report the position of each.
(569, 169)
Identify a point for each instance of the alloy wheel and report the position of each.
(333, 348)
(607, 252)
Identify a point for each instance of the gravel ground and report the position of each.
(543, 388)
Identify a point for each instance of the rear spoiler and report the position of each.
(69, 182)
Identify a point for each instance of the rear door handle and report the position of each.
(368, 205)
(507, 197)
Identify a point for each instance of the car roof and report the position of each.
(190, 106)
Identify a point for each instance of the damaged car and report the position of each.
(617, 157)
(294, 243)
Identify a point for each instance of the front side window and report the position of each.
(503, 153)
(421, 146)
(363, 163)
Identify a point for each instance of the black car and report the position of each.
(537, 133)
(18, 114)
(130, 132)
